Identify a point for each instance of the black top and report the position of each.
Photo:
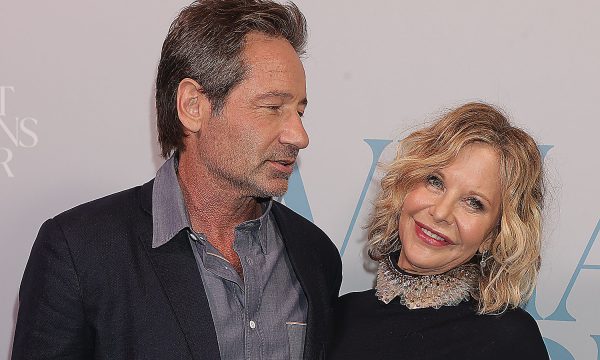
(366, 328)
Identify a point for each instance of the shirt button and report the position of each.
(252, 324)
(193, 237)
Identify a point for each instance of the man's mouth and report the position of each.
(284, 165)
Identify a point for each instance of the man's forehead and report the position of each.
(272, 59)
(263, 46)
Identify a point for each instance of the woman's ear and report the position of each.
(193, 107)
(493, 234)
(487, 243)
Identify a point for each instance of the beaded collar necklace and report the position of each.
(425, 291)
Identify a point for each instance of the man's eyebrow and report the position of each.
(280, 94)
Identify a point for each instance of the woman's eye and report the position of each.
(435, 181)
(474, 203)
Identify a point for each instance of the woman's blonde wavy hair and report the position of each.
(510, 273)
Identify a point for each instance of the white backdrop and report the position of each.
(77, 120)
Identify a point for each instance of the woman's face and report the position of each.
(446, 218)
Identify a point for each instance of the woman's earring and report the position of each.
(485, 256)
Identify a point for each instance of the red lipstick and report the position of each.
(429, 239)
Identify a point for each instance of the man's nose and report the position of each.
(294, 133)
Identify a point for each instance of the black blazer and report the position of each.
(94, 288)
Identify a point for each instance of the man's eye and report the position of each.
(301, 113)
(435, 181)
(474, 203)
(274, 107)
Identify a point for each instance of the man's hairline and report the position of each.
(247, 68)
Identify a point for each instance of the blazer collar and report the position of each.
(180, 280)
(145, 196)
(301, 258)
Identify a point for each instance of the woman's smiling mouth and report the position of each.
(430, 236)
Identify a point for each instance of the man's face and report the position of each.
(252, 145)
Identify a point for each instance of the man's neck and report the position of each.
(215, 208)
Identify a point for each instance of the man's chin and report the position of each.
(276, 188)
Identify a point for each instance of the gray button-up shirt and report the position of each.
(259, 316)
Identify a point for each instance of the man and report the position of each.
(199, 263)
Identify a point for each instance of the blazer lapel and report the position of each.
(301, 259)
(176, 268)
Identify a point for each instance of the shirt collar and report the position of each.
(169, 213)
(260, 225)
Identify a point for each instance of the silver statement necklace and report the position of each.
(425, 291)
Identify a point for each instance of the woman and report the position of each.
(456, 231)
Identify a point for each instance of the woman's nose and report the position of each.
(442, 209)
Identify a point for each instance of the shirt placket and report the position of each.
(252, 326)
(218, 267)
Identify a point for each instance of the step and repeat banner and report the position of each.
(77, 121)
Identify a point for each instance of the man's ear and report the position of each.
(193, 107)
